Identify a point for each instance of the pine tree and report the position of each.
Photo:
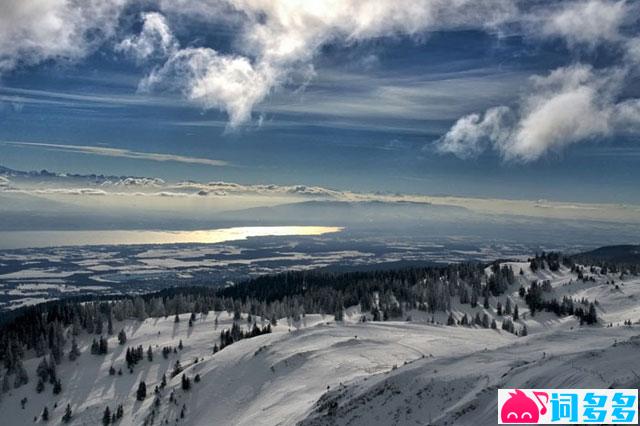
(451, 320)
(106, 417)
(150, 354)
(465, 320)
(95, 347)
(499, 309)
(110, 324)
(42, 371)
(186, 383)
(103, 347)
(592, 316)
(122, 337)
(494, 325)
(99, 325)
(516, 315)
(57, 387)
(141, 394)
(53, 375)
(507, 308)
(6, 386)
(75, 351)
(67, 414)
(485, 320)
(45, 414)
(180, 345)
(474, 297)
(525, 331)
(339, 310)
(163, 383)
(21, 375)
(40, 386)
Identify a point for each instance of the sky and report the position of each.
(487, 99)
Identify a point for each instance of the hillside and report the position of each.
(410, 370)
(622, 254)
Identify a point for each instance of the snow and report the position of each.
(38, 273)
(395, 372)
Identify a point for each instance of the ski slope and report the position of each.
(317, 371)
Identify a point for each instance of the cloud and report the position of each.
(225, 188)
(121, 153)
(58, 191)
(633, 50)
(32, 31)
(469, 135)
(4, 182)
(155, 39)
(133, 181)
(214, 193)
(279, 38)
(569, 105)
(587, 22)
(275, 43)
(212, 80)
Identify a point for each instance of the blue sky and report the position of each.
(505, 102)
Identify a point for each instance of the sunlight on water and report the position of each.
(24, 239)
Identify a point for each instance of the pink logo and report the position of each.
(519, 408)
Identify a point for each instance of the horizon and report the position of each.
(482, 102)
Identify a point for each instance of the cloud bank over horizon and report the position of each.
(219, 196)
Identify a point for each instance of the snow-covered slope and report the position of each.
(462, 390)
(318, 371)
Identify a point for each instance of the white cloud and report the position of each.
(569, 105)
(225, 188)
(61, 191)
(35, 30)
(587, 22)
(216, 193)
(469, 135)
(627, 115)
(232, 83)
(134, 181)
(155, 39)
(633, 51)
(281, 37)
(121, 153)
(277, 39)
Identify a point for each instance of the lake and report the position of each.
(26, 239)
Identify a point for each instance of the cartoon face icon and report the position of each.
(519, 408)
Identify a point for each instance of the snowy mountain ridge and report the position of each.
(318, 371)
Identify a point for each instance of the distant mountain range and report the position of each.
(11, 173)
(619, 254)
(345, 212)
